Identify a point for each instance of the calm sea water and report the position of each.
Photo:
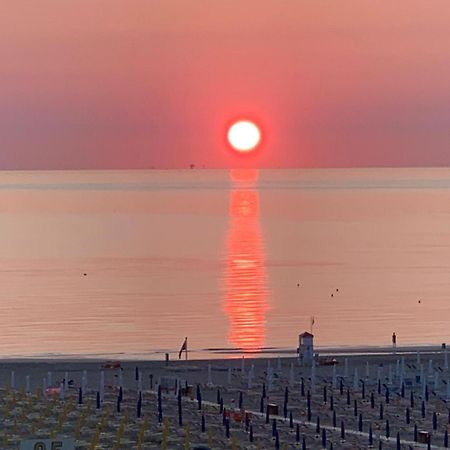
(132, 262)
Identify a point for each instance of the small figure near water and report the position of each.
(394, 342)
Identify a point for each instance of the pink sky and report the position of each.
(138, 84)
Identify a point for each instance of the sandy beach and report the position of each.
(362, 399)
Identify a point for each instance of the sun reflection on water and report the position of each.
(245, 278)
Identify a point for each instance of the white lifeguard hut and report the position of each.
(306, 348)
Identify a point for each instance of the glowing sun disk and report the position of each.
(244, 136)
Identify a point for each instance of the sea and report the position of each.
(129, 263)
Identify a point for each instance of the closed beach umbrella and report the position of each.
(139, 406)
(264, 390)
(304, 443)
(241, 399)
(403, 390)
(277, 441)
(302, 388)
(331, 403)
(372, 400)
(342, 430)
(381, 416)
(98, 403)
(120, 393)
(324, 438)
(136, 373)
(341, 386)
(297, 433)
(221, 406)
(203, 428)
(363, 389)
(151, 380)
(387, 395)
(227, 428)
(224, 416)
(267, 414)
(355, 408)
(251, 434)
(434, 421)
(408, 419)
(334, 419)
(398, 441)
(318, 425)
(388, 433)
(261, 405)
(274, 427)
(285, 411)
(291, 420)
(348, 397)
(360, 423)
(118, 405)
(412, 399)
(159, 401)
(324, 394)
(446, 439)
(80, 396)
(415, 432)
(370, 436)
(218, 396)
(423, 409)
(308, 407)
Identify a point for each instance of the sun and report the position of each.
(244, 136)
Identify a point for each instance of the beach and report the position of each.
(162, 404)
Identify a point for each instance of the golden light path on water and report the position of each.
(242, 263)
(245, 281)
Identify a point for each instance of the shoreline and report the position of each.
(227, 354)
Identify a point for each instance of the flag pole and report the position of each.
(186, 349)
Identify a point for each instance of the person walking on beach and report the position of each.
(394, 342)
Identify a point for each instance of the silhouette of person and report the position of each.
(394, 341)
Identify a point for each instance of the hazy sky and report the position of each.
(154, 83)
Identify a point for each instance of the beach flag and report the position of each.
(312, 323)
(183, 348)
